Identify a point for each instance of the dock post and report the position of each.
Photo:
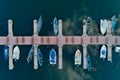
(84, 28)
(109, 56)
(60, 56)
(10, 28)
(35, 57)
(60, 66)
(10, 33)
(84, 56)
(109, 28)
(11, 66)
(35, 33)
(60, 28)
(84, 45)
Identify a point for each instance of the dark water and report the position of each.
(23, 12)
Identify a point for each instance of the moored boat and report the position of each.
(55, 25)
(40, 58)
(6, 52)
(114, 21)
(103, 52)
(52, 57)
(89, 65)
(30, 54)
(103, 26)
(16, 53)
(78, 57)
(39, 24)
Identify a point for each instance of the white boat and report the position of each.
(103, 26)
(117, 49)
(16, 53)
(103, 52)
(78, 57)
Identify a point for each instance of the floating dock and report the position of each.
(59, 40)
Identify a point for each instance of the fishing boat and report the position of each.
(55, 25)
(39, 24)
(78, 57)
(103, 52)
(16, 53)
(113, 22)
(103, 26)
(52, 57)
(40, 58)
(30, 54)
(6, 52)
(89, 66)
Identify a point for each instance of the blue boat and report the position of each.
(6, 52)
(52, 57)
(113, 22)
(40, 58)
(89, 66)
(55, 25)
(39, 24)
(30, 55)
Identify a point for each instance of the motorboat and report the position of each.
(103, 52)
(16, 53)
(39, 24)
(6, 52)
(114, 21)
(89, 66)
(78, 57)
(103, 26)
(55, 25)
(30, 54)
(52, 57)
(40, 58)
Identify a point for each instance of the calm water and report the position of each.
(23, 12)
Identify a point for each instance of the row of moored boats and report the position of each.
(16, 55)
(52, 56)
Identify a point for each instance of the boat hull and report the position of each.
(16, 53)
(39, 24)
(52, 57)
(89, 65)
(6, 52)
(40, 58)
(103, 26)
(55, 26)
(103, 52)
(30, 55)
(78, 57)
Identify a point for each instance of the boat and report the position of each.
(30, 54)
(16, 53)
(113, 22)
(78, 57)
(39, 24)
(55, 25)
(117, 49)
(103, 26)
(52, 57)
(89, 66)
(40, 58)
(6, 52)
(103, 52)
